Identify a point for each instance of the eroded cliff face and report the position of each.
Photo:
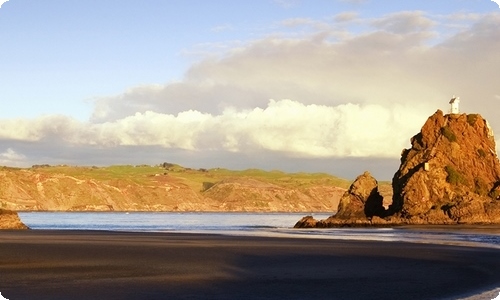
(38, 191)
(89, 189)
(450, 175)
(246, 194)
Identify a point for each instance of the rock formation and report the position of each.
(450, 175)
(10, 220)
(357, 207)
(362, 200)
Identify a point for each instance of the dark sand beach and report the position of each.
(38, 264)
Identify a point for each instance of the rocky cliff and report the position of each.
(148, 188)
(450, 175)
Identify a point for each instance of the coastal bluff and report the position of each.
(166, 187)
(450, 175)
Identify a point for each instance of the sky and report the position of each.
(336, 86)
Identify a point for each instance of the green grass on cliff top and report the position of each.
(193, 177)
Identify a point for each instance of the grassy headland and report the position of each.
(166, 187)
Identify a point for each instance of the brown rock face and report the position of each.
(307, 222)
(361, 200)
(10, 220)
(450, 174)
(359, 206)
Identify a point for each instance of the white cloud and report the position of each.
(346, 17)
(287, 3)
(285, 126)
(355, 1)
(49, 126)
(405, 22)
(295, 22)
(11, 158)
(221, 28)
(497, 2)
(2, 2)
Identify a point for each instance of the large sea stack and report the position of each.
(450, 175)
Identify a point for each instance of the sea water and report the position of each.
(161, 221)
(256, 224)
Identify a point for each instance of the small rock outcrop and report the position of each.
(450, 175)
(307, 222)
(362, 199)
(357, 207)
(10, 220)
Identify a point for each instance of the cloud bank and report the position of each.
(2, 2)
(345, 88)
(402, 59)
(284, 126)
(396, 75)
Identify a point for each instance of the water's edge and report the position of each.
(257, 224)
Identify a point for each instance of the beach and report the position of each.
(63, 264)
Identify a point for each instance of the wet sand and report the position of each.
(39, 264)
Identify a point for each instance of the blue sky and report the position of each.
(278, 84)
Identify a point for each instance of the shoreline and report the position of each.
(52, 264)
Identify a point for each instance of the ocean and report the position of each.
(256, 224)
